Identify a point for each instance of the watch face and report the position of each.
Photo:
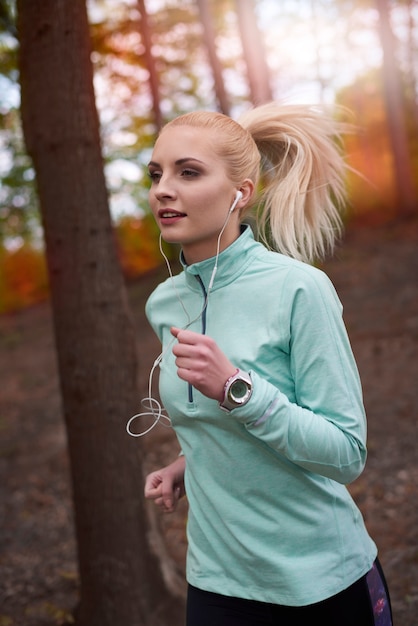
(238, 390)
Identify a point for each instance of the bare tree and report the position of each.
(150, 64)
(120, 578)
(407, 195)
(210, 42)
(254, 53)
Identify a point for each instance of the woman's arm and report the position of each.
(321, 427)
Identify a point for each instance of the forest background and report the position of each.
(151, 61)
(359, 54)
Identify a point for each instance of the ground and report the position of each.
(375, 271)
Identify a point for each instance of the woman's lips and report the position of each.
(168, 216)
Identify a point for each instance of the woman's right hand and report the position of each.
(166, 486)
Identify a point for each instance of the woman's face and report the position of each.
(191, 193)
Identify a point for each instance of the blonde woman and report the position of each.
(257, 374)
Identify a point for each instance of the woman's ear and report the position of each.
(247, 190)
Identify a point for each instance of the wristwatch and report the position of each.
(237, 391)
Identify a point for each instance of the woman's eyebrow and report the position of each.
(187, 159)
(178, 162)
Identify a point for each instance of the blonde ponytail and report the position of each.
(302, 171)
(303, 174)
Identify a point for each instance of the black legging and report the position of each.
(365, 603)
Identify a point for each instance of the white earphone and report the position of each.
(153, 408)
(238, 197)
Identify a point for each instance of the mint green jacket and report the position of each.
(269, 516)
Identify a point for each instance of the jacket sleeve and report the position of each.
(323, 428)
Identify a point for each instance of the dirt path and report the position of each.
(376, 275)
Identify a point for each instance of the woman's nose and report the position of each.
(164, 189)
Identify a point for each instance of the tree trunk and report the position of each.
(153, 80)
(121, 582)
(411, 74)
(408, 200)
(209, 37)
(254, 53)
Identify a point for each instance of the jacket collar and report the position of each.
(231, 262)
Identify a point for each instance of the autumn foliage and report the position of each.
(23, 278)
(23, 273)
(138, 245)
(371, 191)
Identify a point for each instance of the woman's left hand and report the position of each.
(201, 363)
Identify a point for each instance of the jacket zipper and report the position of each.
(203, 328)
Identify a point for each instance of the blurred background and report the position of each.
(155, 59)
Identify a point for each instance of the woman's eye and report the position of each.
(154, 176)
(186, 173)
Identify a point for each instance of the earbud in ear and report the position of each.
(238, 197)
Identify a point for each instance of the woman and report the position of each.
(257, 374)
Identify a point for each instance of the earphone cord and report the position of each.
(153, 407)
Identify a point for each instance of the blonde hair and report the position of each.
(291, 154)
